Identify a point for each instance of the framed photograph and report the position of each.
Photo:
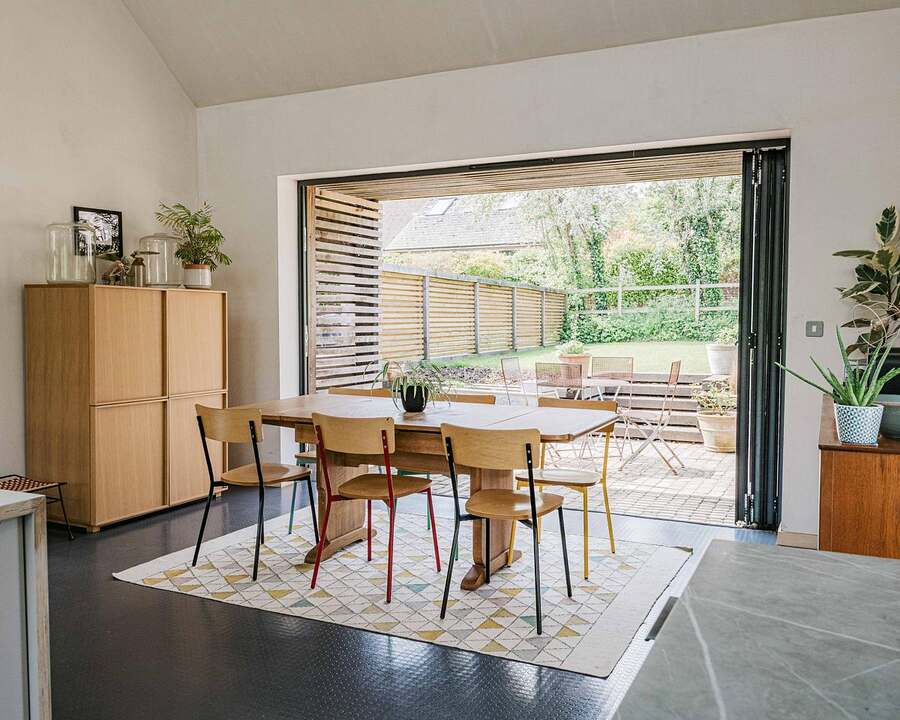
(107, 223)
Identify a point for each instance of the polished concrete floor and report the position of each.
(121, 651)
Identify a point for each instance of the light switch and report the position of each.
(815, 328)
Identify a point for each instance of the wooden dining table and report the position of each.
(419, 449)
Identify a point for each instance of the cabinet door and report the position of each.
(129, 459)
(195, 332)
(128, 350)
(188, 476)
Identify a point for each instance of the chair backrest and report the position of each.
(562, 375)
(491, 449)
(230, 425)
(367, 392)
(511, 369)
(615, 368)
(608, 405)
(358, 436)
(481, 398)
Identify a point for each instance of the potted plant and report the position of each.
(717, 415)
(414, 386)
(877, 288)
(200, 246)
(573, 353)
(722, 354)
(856, 414)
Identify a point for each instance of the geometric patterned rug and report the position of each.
(587, 633)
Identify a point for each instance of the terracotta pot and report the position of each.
(198, 277)
(722, 358)
(584, 360)
(719, 431)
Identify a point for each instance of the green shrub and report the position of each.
(666, 321)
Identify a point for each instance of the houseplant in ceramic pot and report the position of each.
(200, 247)
(722, 354)
(717, 415)
(414, 386)
(573, 353)
(856, 414)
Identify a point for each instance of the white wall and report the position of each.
(831, 83)
(89, 115)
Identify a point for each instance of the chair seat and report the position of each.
(563, 477)
(272, 473)
(510, 504)
(308, 456)
(373, 486)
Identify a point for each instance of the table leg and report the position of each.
(500, 530)
(346, 523)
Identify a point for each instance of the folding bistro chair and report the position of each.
(559, 376)
(239, 425)
(367, 436)
(578, 480)
(651, 431)
(621, 371)
(500, 450)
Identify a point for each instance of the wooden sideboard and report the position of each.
(112, 376)
(859, 493)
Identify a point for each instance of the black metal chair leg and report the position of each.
(312, 507)
(450, 569)
(487, 551)
(565, 549)
(62, 505)
(202, 526)
(537, 576)
(293, 503)
(260, 533)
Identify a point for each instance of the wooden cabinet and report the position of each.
(112, 377)
(859, 493)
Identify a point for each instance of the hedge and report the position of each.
(662, 324)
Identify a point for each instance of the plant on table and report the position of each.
(857, 415)
(200, 245)
(574, 352)
(877, 288)
(413, 386)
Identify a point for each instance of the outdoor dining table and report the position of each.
(419, 449)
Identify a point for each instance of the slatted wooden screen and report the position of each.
(451, 317)
(528, 318)
(495, 317)
(345, 247)
(554, 310)
(402, 318)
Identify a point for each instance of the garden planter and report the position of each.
(722, 358)
(858, 425)
(719, 431)
(414, 399)
(584, 360)
(198, 277)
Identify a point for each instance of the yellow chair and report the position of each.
(579, 480)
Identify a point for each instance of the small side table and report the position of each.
(20, 483)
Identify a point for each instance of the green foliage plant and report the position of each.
(422, 378)
(715, 397)
(572, 347)
(860, 385)
(200, 243)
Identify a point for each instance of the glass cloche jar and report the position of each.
(70, 253)
(163, 268)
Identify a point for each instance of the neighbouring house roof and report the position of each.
(457, 223)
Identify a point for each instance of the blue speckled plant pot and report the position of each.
(890, 421)
(858, 425)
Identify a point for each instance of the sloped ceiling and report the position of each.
(227, 50)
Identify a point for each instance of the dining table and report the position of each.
(419, 449)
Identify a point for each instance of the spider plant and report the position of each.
(860, 386)
(414, 386)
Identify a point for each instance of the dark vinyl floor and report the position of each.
(120, 651)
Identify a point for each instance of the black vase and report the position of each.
(414, 398)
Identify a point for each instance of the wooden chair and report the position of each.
(579, 480)
(500, 450)
(559, 376)
(366, 392)
(367, 436)
(479, 398)
(238, 425)
(651, 431)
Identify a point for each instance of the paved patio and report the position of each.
(702, 492)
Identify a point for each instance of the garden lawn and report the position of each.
(648, 356)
